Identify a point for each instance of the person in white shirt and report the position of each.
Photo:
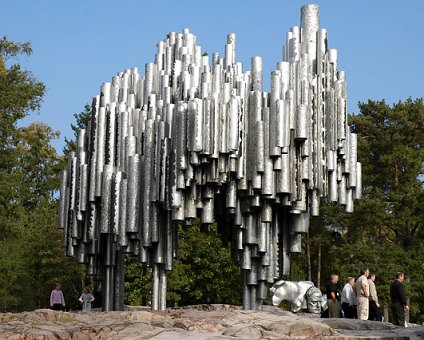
(349, 299)
(362, 294)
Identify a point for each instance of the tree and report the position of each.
(204, 270)
(31, 246)
(390, 217)
(81, 122)
(37, 166)
(385, 232)
(12, 270)
(20, 94)
(34, 258)
(392, 153)
(138, 282)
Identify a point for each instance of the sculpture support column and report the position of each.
(198, 136)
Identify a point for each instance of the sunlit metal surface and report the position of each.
(294, 292)
(197, 136)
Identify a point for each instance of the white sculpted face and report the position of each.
(314, 300)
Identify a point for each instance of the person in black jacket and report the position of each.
(399, 304)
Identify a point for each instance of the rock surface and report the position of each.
(203, 322)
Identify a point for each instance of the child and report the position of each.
(86, 299)
(57, 301)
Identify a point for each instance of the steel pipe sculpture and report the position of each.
(197, 137)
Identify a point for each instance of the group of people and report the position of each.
(57, 300)
(359, 298)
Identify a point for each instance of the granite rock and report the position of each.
(201, 322)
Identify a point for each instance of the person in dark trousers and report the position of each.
(57, 301)
(399, 304)
(332, 303)
(349, 299)
(374, 307)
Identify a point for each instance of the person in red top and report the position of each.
(57, 301)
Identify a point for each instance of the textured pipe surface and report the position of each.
(197, 136)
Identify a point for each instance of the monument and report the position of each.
(197, 136)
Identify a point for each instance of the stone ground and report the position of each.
(202, 322)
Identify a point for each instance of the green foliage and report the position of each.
(12, 271)
(391, 150)
(389, 221)
(138, 282)
(20, 93)
(31, 246)
(82, 119)
(385, 232)
(204, 271)
(38, 167)
(46, 262)
(34, 256)
(11, 49)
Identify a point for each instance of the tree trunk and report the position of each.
(144, 296)
(319, 265)
(308, 258)
(291, 269)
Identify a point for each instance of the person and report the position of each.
(86, 299)
(399, 304)
(332, 303)
(349, 299)
(57, 301)
(362, 293)
(374, 307)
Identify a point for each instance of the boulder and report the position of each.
(204, 322)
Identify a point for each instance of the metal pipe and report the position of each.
(161, 147)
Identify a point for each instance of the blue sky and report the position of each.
(77, 45)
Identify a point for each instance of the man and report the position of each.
(362, 293)
(374, 306)
(349, 299)
(399, 304)
(332, 303)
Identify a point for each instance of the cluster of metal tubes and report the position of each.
(198, 137)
